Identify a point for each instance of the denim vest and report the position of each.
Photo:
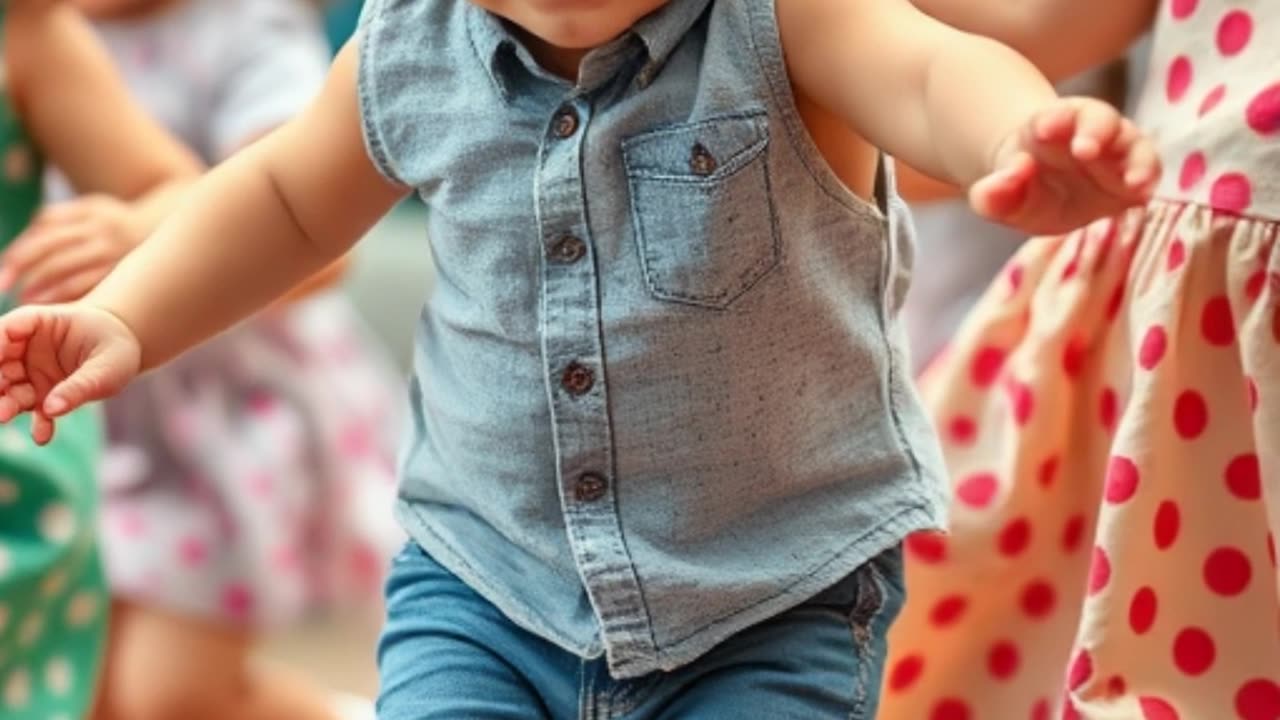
(659, 393)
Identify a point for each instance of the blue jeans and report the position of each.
(448, 654)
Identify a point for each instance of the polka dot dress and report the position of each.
(1111, 419)
(52, 592)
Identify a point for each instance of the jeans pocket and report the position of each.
(702, 208)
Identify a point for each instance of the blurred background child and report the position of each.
(237, 479)
(59, 98)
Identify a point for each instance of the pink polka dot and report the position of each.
(1190, 415)
(1254, 286)
(1116, 686)
(905, 673)
(1069, 709)
(1216, 323)
(1193, 651)
(1038, 599)
(1157, 709)
(1258, 700)
(1227, 571)
(948, 611)
(1073, 357)
(129, 523)
(1073, 533)
(1212, 99)
(193, 552)
(1142, 610)
(986, 367)
(951, 709)
(1003, 660)
(1263, 112)
(1048, 472)
(962, 430)
(1115, 303)
(1154, 344)
(1168, 523)
(237, 600)
(261, 485)
(1099, 571)
(287, 559)
(1122, 480)
(1231, 192)
(1081, 670)
(1179, 78)
(261, 403)
(1021, 400)
(1015, 537)
(1177, 256)
(928, 548)
(1182, 9)
(977, 491)
(1041, 710)
(1015, 275)
(1193, 170)
(356, 441)
(1234, 32)
(1251, 388)
(1244, 477)
(1108, 409)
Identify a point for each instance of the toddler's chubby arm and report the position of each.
(254, 227)
(968, 109)
(1062, 37)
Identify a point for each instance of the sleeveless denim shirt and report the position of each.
(658, 393)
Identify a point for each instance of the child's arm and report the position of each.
(81, 115)
(1062, 37)
(78, 109)
(967, 109)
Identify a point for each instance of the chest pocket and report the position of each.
(703, 212)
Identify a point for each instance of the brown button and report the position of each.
(590, 488)
(566, 122)
(568, 250)
(701, 162)
(577, 379)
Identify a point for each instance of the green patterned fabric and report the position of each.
(53, 597)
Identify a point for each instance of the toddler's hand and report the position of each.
(69, 248)
(1072, 163)
(55, 358)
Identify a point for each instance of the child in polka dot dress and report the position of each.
(53, 596)
(1111, 413)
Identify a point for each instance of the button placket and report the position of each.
(573, 357)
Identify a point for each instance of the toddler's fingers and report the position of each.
(1056, 125)
(1002, 194)
(97, 379)
(1097, 126)
(1143, 167)
(41, 428)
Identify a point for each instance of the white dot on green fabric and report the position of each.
(6, 560)
(82, 609)
(17, 690)
(58, 676)
(12, 440)
(54, 584)
(57, 523)
(31, 628)
(18, 164)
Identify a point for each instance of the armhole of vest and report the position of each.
(367, 91)
(766, 41)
